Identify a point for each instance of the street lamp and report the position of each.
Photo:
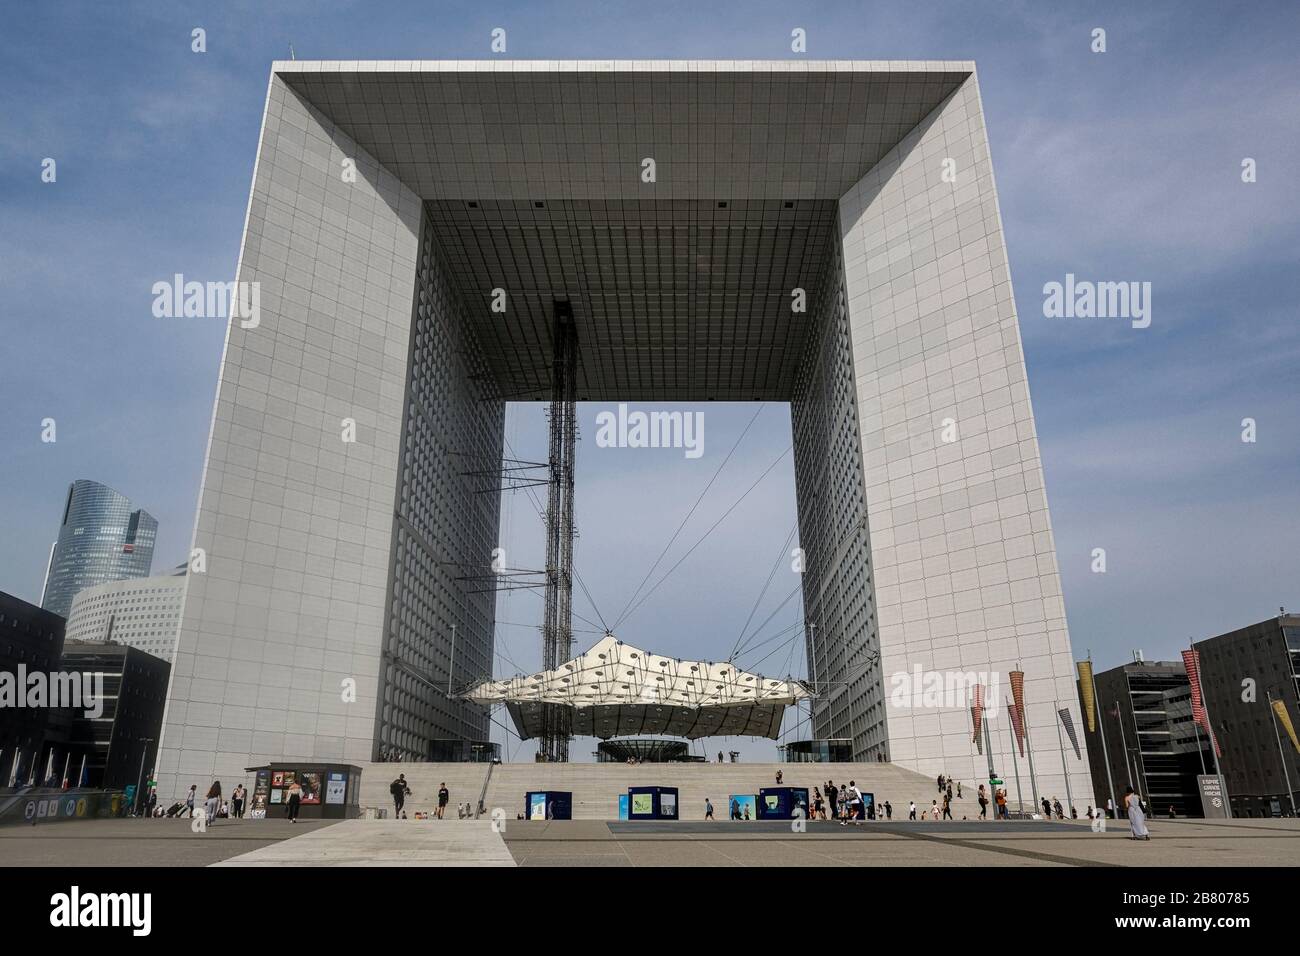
(139, 778)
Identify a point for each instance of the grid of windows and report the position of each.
(444, 529)
(842, 642)
(143, 613)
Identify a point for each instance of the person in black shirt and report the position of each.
(399, 789)
(443, 796)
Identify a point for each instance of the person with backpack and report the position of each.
(400, 790)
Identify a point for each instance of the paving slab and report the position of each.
(387, 843)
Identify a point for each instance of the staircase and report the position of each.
(596, 786)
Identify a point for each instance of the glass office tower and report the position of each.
(103, 537)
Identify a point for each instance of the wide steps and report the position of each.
(596, 786)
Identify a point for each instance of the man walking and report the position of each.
(708, 809)
(831, 795)
(911, 810)
(399, 790)
(443, 796)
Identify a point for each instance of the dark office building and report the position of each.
(33, 638)
(135, 692)
(1252, 762)
(1145, 710)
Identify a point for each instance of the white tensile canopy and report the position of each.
(619, 690)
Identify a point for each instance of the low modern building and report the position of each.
(1144, 709)
(1240, 670)
(121, 743)
(140, 612)
(645, 750)
(102, 537)
(817, 751)
(30, 638)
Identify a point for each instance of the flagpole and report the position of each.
(1286, 773)
(1069, 798)
(1011, 731)
(1101, 728)
(1123, 743)
(1200, 752)
(81, 776)
(1029, 748)
(1209, 729)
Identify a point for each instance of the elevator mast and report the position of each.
(557, 628)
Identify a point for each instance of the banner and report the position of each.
(1064, 714)
(1284, 718)
(1192, 662)
(977, 715)
(1086, 695)
(1018, 696)
(1014, 711)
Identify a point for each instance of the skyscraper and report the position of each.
(103, 537)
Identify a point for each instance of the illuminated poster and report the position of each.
(537, 806)
(277, 796)
(277, 779)
(742, 806)
(622, 806)
(643, 804)
(310, 787)
(336, 787)
(261, 794)
(668, 804)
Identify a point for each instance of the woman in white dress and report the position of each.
(1137, 820)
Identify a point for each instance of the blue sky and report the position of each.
(1122, 165)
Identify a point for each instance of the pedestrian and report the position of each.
(151, 803)
(1137, 820)
(778, 778)
(719, 756)
(237, 801)
(443, 796)
(934, 810)
(1060, 810)
(889, 811)
(399, 789)
(1047, 809)
(947, 805)
(831, 795)
(819, 810)
(958, 789)
(212, 803)
(708, 809)
(911, 810)
(295, 801)
(189, 802)
(984, 803)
